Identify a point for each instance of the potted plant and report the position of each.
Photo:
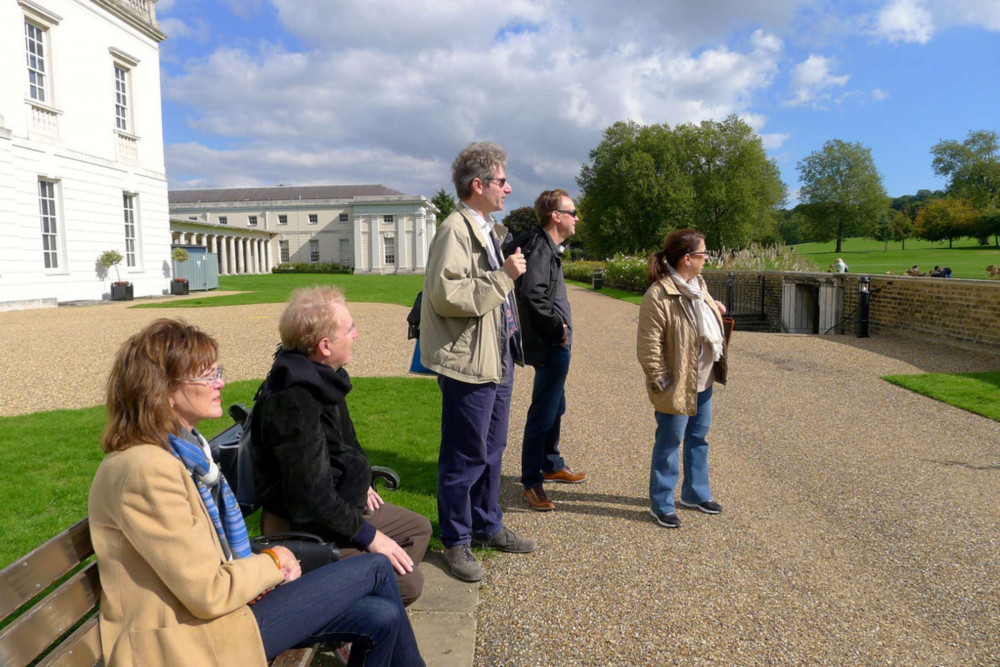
(121, 290)
(179, 285)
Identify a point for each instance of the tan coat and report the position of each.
(168, 596)
(461, 321)
(668, 348)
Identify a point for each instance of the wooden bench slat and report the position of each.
(41, 625)
(27, 577)
(80, 649)
(296, 657)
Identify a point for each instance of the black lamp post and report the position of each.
(864, 306)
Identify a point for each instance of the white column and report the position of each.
(220, 245)
(373, 240)
(420, 239)
(356, 242)
(401, 242)
(267, 256)
(244, 247)
(235, 268)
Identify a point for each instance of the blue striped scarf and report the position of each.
(230, 526)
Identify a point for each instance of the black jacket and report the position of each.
(307, 455)
(541, 294)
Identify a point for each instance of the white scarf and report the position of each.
(704, 316)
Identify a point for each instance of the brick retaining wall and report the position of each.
(964, 312)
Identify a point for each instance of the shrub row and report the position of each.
(305, 267)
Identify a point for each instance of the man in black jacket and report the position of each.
(310, 465)
(547, 335)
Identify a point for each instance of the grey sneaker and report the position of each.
(462, 563)
(507, 541)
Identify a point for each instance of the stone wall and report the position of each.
(960, 312)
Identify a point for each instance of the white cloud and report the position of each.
(905, 21)
(774, 140)
(878, 95)
(176, 28)
(812, 80)
(389, 91)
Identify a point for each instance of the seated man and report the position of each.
(310, 466)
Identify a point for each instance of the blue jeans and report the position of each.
(540, 451)
(354, 600)
(671, 430)
(473, 439)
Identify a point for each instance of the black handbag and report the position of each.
(310, 550)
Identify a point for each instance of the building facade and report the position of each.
(81, 150)
(370, 228)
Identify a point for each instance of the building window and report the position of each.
(283, 252)
(387, 218)
(121, 99)
(129, 209)
(223, 220)
(50, 223)
(282, 219)
(314, 251)
(313, 218)
(252, 220)
(390, 250)
(345, 252)
(343, 217)
(34, 41)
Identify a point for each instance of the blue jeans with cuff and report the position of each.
(671, 431)
(540, 449)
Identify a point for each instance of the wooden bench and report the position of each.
(61, 624)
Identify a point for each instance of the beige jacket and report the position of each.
(668, 348)
(461, 321)
(168, 596)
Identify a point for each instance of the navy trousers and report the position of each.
(473, 439)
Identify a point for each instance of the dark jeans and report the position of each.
(356, 600)
(473, 439)
(540, 451)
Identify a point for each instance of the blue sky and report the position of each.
(261, 92)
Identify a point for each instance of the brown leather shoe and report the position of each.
(538, 500)
(565, 475)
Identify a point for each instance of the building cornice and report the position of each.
(140, 14)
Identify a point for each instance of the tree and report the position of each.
(520, 220)
(882, 230)
(902, 227)
(946, 218)
(642, 182)
(973, 172)
(737, 190)
(444, 202)
(843, 188)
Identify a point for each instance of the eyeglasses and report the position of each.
(499, 181)
(567, 211)
(211, 378)
(699, 254)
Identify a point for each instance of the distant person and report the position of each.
(547, 333)
(681, 347)
(839, 266)
(315, 475)
(940, 272)
(912, 271)
(470, 337)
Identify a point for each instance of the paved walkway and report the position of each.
(860, 523)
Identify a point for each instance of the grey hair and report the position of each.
(477, 160)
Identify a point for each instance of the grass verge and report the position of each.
(49, 458)
(275, 288)
(967, 259)
(613, 292)
(975, 392)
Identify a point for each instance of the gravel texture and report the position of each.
(860, 523)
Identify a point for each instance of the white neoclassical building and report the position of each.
(81, 150)
(371, 228)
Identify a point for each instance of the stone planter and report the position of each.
(179, 286)
(121, 291)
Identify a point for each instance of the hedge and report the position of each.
(306, 267)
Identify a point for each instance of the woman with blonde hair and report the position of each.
(180, 585)
(681, 348)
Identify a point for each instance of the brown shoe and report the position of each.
(538, 500)
(565, 475)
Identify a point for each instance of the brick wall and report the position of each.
(964, 312)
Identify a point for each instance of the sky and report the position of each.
(308, 92)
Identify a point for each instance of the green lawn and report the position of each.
(975, 392)
(612, 292)
(275, 288)
(967, 259)
(49, 458)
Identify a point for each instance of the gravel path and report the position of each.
(860, 523)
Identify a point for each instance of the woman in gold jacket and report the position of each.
(681, 348)
(180, 585)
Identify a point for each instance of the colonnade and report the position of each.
(236, 254)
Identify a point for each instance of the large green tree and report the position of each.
(737, 191)
(972, 168)
(843, 189)
(643, 182)
(948, 218)
(521, 219)
(444, 202)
